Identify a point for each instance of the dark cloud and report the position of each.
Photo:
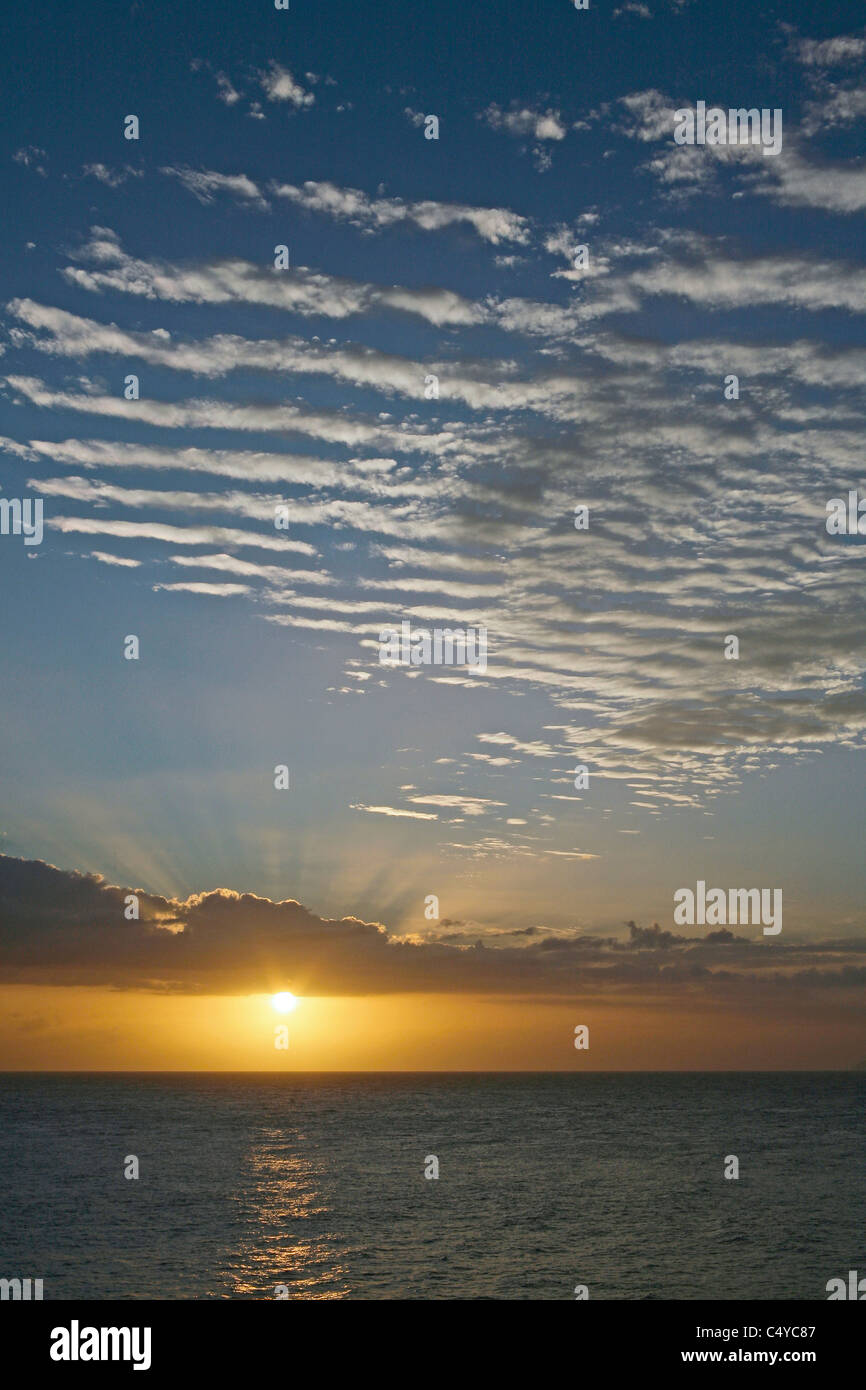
(61, 927)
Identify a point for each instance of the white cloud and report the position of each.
(211, 590)
(235, 281)
(830, 53)
(469, 805)
(351, 205)
(112, 178)
(172, 535)
(279, 85)
(534, 750)
(524, 121)
(204, 184)
(120, 560)
(225, 89)
(32, 157)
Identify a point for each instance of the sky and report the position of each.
(398, 426)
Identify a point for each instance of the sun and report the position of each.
(284, 1003)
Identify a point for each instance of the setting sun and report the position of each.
(284, 1003)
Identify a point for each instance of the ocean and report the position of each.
(314, 1185)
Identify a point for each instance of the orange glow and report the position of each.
(57, 1029)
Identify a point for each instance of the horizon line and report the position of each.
(444, 1071)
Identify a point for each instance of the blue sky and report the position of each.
(558, 386)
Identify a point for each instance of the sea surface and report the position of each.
(546, 1181)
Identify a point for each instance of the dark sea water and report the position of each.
(546, 1181)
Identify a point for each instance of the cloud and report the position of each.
(649, 115)
(534, 750)
(121, 560)
(707, 517)
(235, 281)
(524, 121)
(331, 425)
(469, 805)
(278, 84)
(494, 225)
(705, 274)
(570, 854)
(174, 535)
(61, 927)
(210, 590)
(275, 574)
(838, 106)
(247, 465)
(648, 679)
(204, 184)
(830, 53)
(793, 178)
(32, 157)
(112, 178)
(801, 182)
(226, 90)
(60, 333)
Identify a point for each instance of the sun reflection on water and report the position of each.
(287, 1238)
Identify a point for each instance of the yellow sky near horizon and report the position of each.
(62, 1029)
